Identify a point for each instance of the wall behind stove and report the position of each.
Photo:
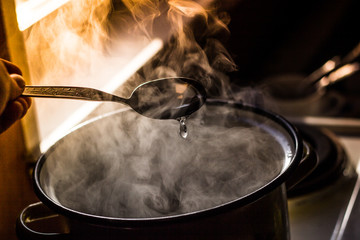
(279, 36)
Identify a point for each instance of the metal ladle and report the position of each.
(166, 98)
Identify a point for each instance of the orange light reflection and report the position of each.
(31, 11)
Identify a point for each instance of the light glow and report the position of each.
(32, 11)
(127, 71)
(340, 73)
(344, 71)
(329, 65)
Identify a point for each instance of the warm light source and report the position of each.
(31, 11)
(116, 81)
(329, 65)
(340, 73)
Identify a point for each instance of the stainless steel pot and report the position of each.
(259, 212)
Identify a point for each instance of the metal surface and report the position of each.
(71, 93)
(333, 212)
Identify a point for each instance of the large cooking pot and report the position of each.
(124, 176)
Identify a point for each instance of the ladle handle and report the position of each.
(81, 93)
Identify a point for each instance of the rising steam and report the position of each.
(146, 170)
(138, 167)
(79, 39)
(193, 48)
(69, 41)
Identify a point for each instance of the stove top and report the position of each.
(324, 214)
(330, 210)
(326, 205)
(332, 160)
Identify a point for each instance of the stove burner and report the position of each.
(332, 160)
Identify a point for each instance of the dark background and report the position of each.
(279, 37)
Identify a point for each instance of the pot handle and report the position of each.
(37, 221)
(307, 164)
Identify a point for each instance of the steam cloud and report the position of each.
(146, 170)
(70, 42)
(132, 166)
(85, 37)
(192, 32)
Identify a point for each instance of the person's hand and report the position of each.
(13, 106)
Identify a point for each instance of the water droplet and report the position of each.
(183, 128)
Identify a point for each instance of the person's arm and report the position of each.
(12, 105)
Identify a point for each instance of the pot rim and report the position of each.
(218, 209)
